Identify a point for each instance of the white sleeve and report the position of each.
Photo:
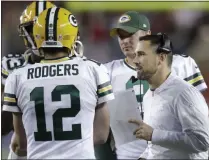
(192, 113)
(195, 77)
(190, 72)
(104, 88)
(10, 99)
(108, 66)
(4, 71)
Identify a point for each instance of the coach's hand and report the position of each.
(143, 131)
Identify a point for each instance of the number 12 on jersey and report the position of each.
(37, 95)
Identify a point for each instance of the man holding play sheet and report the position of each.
(176, 123)
(129, 27)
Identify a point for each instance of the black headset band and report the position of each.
(165, 45)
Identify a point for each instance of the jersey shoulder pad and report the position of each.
(118, 61)
(94, 65)
(183, 55)
(186, 60)
(112, 64)
(92, 60)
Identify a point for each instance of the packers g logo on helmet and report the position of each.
(56, 28)
(73, 20)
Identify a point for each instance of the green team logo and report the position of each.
(124, 18)
(139, 90)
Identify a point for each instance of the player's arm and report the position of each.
(109, 67)
(6, 124)
(10, 105)
(191, 110)
(4, 70)
(101, 124)
(19, 141)
(104, 93)
(193, 75)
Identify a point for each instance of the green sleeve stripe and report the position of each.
(105, 93)
(103, 85)
(193, 76)
(198, 83)
(4, 75)
(9, 95)
(10, 103)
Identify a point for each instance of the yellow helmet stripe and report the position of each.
(51, 24)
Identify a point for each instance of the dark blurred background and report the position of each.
(187, 23)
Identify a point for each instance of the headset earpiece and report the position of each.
(165, 45)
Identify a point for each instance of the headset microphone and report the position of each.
(134, 79)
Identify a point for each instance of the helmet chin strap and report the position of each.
(26, 55)
(80, 49)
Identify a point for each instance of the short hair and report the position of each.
(163, 43)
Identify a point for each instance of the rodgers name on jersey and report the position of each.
(53, 71)
(9, 63)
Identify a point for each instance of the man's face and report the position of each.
(146, 60)
(128, 41)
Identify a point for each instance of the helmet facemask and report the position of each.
(26, 32)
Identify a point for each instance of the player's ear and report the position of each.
(162, 58)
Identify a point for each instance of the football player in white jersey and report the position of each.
(59, 105)
(14, 61)
(130, 26)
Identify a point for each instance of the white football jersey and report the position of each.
(9, 63)
(121, 79)
(120, 75)
(58, 100)
(186, 68)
